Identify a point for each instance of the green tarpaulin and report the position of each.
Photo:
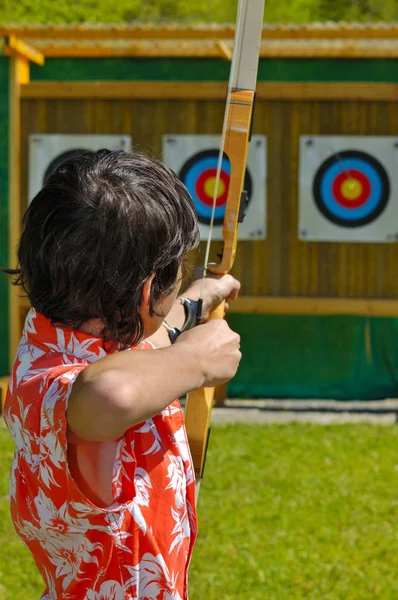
(340, 357)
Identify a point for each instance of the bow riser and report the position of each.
(236, 146)
(239, 120)
(198, 414)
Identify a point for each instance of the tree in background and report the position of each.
(191, 11)
(357, 10)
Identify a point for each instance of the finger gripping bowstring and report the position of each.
(234, 145)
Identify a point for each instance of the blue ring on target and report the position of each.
(191, 177)
(190, 174)
(344, 162)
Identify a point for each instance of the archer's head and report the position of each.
(102, 226)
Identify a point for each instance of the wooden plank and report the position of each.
(208, 90)
(324, 49)
(117, 32)
(332, 31)
(328, 91)
(299, 121)
(278, 196)
(3, 392)
(307, 306)
(314, 306)
(19, 74)
(305, 272)
(312, 247)
(329, 124)
(224, 50)
(259, 256)
(140, 90)
(14, 44)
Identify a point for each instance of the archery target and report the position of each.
(347, 188)
(48, 151)
(195, 160)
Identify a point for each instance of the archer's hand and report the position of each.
(217, 351)
(216, 289)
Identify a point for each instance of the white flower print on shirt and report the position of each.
(151, 580)
(110, 590)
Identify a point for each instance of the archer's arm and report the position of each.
(126, 388)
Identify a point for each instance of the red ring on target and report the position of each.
(197, 173)
(200, 188)
(339, 182)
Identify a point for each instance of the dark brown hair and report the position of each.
(101, 225)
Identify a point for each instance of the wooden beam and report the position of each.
(15, 45)
(19, 75)
(372, 92)
(372, 307)
(154, 90)
(125, 90)
(3, 392)
(274, 305)
(270, 32)
(120, 32)
(332, 31)
(224, 50)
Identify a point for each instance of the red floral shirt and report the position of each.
(138, 545)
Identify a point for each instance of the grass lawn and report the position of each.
(286, 512)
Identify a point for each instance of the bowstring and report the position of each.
(220, 157)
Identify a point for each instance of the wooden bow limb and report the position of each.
(235, 143)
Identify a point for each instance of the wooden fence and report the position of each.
(280, 274)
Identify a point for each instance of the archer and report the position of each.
(102, 485)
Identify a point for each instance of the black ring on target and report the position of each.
(198, 170)
(368, 198)
(61, 158)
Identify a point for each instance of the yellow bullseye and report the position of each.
(351, 188)
(210, 187)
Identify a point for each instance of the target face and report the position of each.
(199, 175)
(347, 188)
(351, 188)
(195, 160)
(48, 151)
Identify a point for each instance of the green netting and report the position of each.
(205, 69)
(340, 357)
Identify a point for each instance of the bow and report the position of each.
(235, 142)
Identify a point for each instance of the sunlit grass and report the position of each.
(299, 511)
(286, 512)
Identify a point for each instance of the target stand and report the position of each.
(346, 189)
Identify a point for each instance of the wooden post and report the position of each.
(19, 74)
(20, 56)
(3, 392)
